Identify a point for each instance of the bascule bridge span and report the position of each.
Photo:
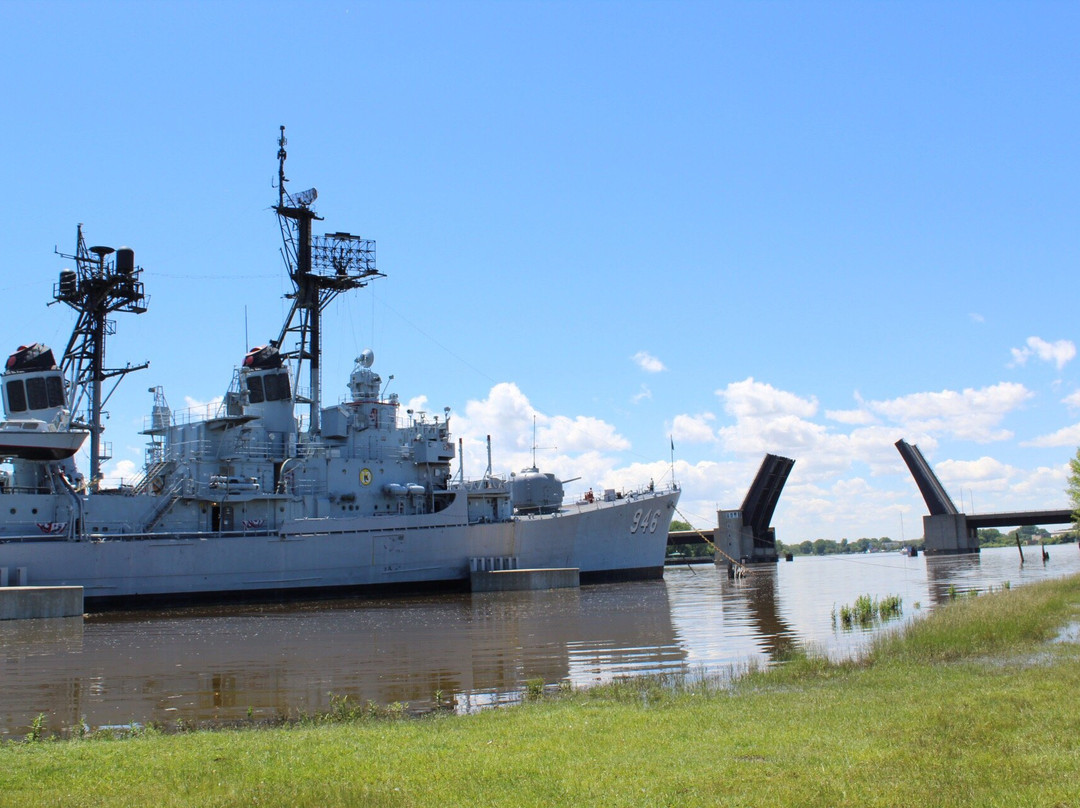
(947, 531)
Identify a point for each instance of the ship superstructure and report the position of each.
(275, 491)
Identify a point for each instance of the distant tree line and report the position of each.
(988, 537)
(692, 550)
(1073, 490)
(832, 547)
(1029, 534)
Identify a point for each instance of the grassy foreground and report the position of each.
(974, 705)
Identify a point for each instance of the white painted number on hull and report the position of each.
(646, 521)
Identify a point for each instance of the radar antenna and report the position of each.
(320, 267)
(95, 289)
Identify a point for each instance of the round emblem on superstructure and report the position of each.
(365, 476)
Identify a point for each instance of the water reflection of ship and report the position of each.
(759, 592)
(205, 665)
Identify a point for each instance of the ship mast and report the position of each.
(97, 288)
(320, 267)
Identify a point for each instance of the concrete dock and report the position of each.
(35, 602)
(514, 580)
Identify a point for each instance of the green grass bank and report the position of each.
(976, 705)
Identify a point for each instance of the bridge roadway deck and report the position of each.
(1014, 518)
(975, 520)
(689, 537)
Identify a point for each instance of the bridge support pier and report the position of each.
(949, 534)
(737, 540)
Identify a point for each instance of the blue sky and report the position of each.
(808, 229)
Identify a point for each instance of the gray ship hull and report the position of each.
(605, 540)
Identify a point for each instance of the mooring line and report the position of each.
(743, 569)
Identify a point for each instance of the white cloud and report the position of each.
(648, 362)
(876, 446)
(1044, 485)
(583, 433)
(642, 394)
(1066, 436)
(966, 472)
(853, 417)
(776, 421)
(569, 446)
(1060, 352)
(976, 317)
(693, 428)
(780, 433)
(1072, 400)
(988, 485)
(749, 398)
(122, 471)
(196, 410)
(969, 415)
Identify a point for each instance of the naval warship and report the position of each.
(275, 493)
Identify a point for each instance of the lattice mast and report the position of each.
(97, 287)
(320, 267)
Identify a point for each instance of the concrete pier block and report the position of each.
(516, 580)
(33, 602)
(949, 534)
(736, 540)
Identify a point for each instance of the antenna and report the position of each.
(96, 289)
(281, 155)
(320, 268)
(535, 447)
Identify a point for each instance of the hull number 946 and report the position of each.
(645, 521)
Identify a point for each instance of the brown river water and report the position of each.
(203, 665)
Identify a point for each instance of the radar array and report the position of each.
(96, 288)
(321, 267)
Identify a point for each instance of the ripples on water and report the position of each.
(231, 662)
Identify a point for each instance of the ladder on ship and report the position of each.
(155, 475)
(167, 500)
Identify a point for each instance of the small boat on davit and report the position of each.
(38, 425)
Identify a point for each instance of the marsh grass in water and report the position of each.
(867, 611)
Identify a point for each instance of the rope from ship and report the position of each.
(741, 568)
